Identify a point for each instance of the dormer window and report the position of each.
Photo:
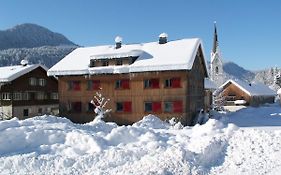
(105, 63)
(119, 62)
(92, 63)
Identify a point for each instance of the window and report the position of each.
(122, 84)
(41, 82)
(217, 70)
(74, 85)
(173, 83)
(152, 106)
(25, 112)
(40, 96)
(6, 96)
(26, 96)
(151, 83)
(93, 85)
(92, 63)
(175, 106)
(124, 106)
(168, 107)
(54, 96)
(32, 81)
(17, 96)
(76, 106)
(119, 62)
(105, 63)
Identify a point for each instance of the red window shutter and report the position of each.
(155, 83)
(125, 84)
(96, 84)
(176, 82)
(76, 85)
(156, 107)
(177, 106)
(127, 106)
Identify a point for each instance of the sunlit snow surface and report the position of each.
(50, 145)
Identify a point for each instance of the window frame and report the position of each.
(172, 82)
(6, 96)
(17, 96)
(124, 107)
(32, 81)
(153, 83)
(156, 106)
(42, 82)
(93, 85)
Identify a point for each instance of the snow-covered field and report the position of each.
(50, 145)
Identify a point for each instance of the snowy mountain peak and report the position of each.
(31, 35)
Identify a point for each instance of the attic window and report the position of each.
(105, 63)
(92, 63)
(119, 62)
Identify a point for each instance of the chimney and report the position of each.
(118, 42)
(163, 38)
(24, 62)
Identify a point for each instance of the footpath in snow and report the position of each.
(51, 145)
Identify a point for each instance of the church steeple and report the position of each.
(216, 71)
(215, 42)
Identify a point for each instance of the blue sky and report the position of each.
(249, 31)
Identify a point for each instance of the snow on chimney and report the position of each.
(24, 62)
(163, 38)
(118, 42)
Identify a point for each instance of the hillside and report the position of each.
(34, 43)
(46, 55)
(29, 36)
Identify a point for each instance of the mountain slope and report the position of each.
(29, 36)
(46, 55)
(34, 43)
(235, 71)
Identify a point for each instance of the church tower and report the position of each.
(216, 72)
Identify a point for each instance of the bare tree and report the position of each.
(99, 101)
(219, 99)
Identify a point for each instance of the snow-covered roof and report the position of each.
(209, 84)
(10, 73)
(174, 55)
(252, 89)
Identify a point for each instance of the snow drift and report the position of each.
(51, 145)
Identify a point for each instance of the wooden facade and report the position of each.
(31, 94)
(177, 93)
(232, 93)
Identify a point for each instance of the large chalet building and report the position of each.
(26, 91)
(165, 78)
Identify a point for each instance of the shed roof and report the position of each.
(174, 55)
(10, 73)
(252, 89)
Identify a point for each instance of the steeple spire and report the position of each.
(215, 42)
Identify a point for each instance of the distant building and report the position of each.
(27, 91)
(216, 69)
(210, 87)
(165, 78)
(237, 92)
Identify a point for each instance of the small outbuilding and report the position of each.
(237, 92)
